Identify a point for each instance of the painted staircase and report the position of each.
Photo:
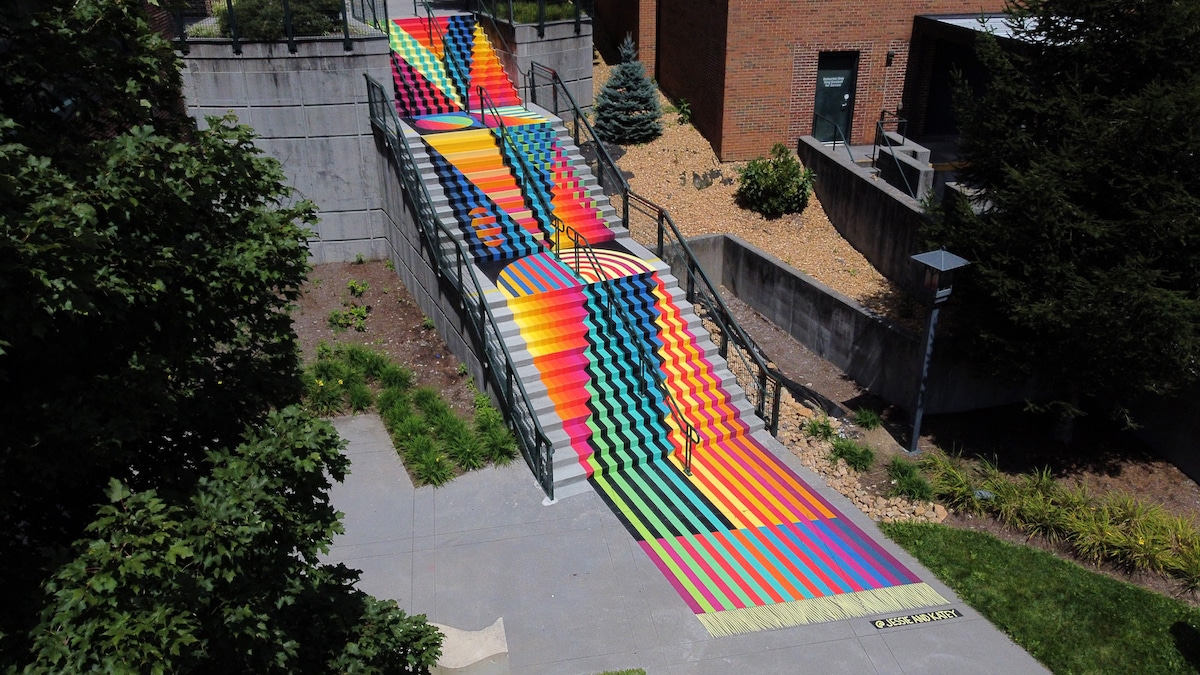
(618, 369)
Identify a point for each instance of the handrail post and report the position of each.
(287, 25)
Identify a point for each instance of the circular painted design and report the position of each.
(450, 122)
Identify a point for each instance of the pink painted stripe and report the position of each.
(713, 576)
(845, 581)
(667, 544)
(666, 572)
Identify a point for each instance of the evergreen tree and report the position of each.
(627, 108)
(1087, 244)
(146, 272)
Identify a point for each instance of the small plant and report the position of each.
(819, 428)
(359, 259)
(356, 317)
(867, 419)
(396, 377)
(774, 186)
(361, 397)
(391, 266)
(427, 323)
(907, 480)
(461, 369)
(858, 457)
(466, 450)
(357, 288)
(683, 112)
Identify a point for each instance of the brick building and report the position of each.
(758, 72)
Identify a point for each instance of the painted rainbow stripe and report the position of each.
(746, 543)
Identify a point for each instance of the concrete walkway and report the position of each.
(576, 593)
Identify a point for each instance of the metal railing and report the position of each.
(580, 243)
(765, 383)
(454, 264)
(646, 361)
(838, 133)
(502, 10)
(459, 72)
(547, 89)
(371, 14)
(882, 138)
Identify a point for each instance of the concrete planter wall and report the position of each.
(561, 49)
(882, 222)
(881, 357)
(310, 110)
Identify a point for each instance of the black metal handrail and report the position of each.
(455, 264)
(700, 290)
(839, 134)
(448, 55)
(377, 19)
(881, 138)
(691, 436)
(563, 105)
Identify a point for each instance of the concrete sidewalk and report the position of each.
(576, 593)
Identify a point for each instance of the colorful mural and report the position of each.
(746, 543)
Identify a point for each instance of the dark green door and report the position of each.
(834, 105)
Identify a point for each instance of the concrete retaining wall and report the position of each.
(881, 357)
(561, 49)
(402, 245)
(883, 223)
(310, 110)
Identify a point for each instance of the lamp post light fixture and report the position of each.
(937, 268)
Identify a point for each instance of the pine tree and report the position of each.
(627, 108)
(1087, 246)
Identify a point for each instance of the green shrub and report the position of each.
(499, 446)
(360, 397)
(396, 377)
(774, 186)
(867, 419)
(465, 449)
(819, 428)
(858, 457)
(526, 11)
(357, 288)
(356, 317)
(263, 19)
(907, 480)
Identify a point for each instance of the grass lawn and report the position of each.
(1069, 618)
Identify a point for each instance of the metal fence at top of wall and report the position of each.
(455, 265)
(242, 21)
(763, 384)
(519, 12)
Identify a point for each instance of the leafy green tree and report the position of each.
(1087, 238)
(627, 107)
(146, 272)
(228, 580)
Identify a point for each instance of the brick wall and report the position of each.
(771, 55)
(614, 18)
(692, 57)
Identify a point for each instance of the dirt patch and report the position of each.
(395, 325)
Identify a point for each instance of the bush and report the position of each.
(819, 428)
(858, 457)
(867, 419)
(263, 19)
(907, 480)
(774, 186)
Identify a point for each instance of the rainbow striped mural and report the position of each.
(745, 542)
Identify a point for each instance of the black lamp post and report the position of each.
(937, 268)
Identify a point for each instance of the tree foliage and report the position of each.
(1087, 243)
(229, 579)
(627, 107)
(146, 272)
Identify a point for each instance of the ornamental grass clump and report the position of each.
(1116, 528)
